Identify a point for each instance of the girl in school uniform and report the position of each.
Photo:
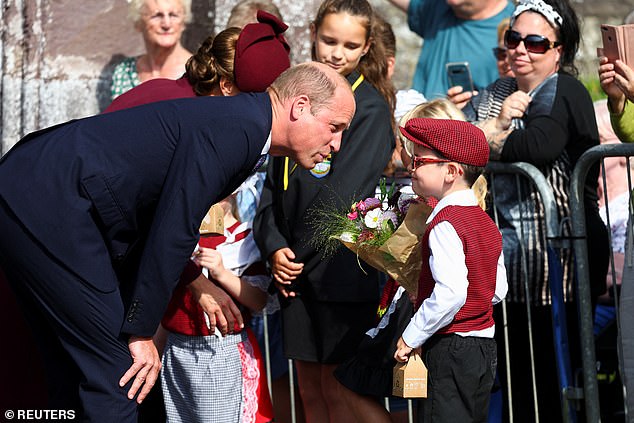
(329, 302)
(207, 377)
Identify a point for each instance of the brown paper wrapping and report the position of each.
(409, 380)
(213, 223)
(400, 256)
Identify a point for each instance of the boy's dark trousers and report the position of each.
(461, 371)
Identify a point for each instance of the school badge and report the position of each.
(322, 169)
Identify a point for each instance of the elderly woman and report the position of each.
(543, 116)
(161, 22)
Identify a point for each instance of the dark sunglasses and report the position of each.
(533, 43)
(499, 53)
(421, 161)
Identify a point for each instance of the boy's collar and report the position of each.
(463, 197)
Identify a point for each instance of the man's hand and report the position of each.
(218, 305)
(402, 351)
(284, 269)
(145, 367)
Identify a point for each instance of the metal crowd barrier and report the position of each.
(590, 383)
(553, 242)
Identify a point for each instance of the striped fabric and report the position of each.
(519, 198)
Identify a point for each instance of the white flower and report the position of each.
(347, 237)
(372, 218)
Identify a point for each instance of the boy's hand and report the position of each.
(402, 351)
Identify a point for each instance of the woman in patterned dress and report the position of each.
(161, 22)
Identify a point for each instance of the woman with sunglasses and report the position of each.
(543, 116)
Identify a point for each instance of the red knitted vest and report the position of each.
(482, 243)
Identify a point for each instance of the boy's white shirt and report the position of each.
(449, 270)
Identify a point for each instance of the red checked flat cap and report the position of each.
(261, 53)
(456, 140)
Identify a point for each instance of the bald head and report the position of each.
(312, 105)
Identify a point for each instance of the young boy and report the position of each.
(462, 273)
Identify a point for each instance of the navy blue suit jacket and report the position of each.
(118, 198)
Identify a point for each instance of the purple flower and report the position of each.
(372, 203)
(389, 215)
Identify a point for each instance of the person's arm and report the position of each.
(284, 270)
(498, 129)
(268, 236)
(220, 308)
(145, 368)
(459, 97)
(266, 233)
(624, 79)
(245, 293)
(623, 124)
(501, 284)
(607, 79)
(449, 269)
(401, 4)
(205, 166)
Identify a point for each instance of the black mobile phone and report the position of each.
(458, 73)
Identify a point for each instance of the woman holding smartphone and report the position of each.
(543, 116)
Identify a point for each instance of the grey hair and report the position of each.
(245, 12)
(136, 6)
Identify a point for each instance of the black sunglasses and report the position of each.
(499, 53)
(533, 43)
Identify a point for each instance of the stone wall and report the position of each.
(57, 56)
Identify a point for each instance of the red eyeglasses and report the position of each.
(421, 161)
(533, 43)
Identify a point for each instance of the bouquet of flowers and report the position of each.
(384, 232)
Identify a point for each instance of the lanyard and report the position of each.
(286, 159)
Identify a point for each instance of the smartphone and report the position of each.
(610, 42)
(458, 73)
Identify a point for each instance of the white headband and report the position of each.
(540, 7)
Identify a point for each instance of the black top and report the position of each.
(282, 218)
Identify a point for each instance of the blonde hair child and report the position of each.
(439, 108)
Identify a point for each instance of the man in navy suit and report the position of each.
(99, 216)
